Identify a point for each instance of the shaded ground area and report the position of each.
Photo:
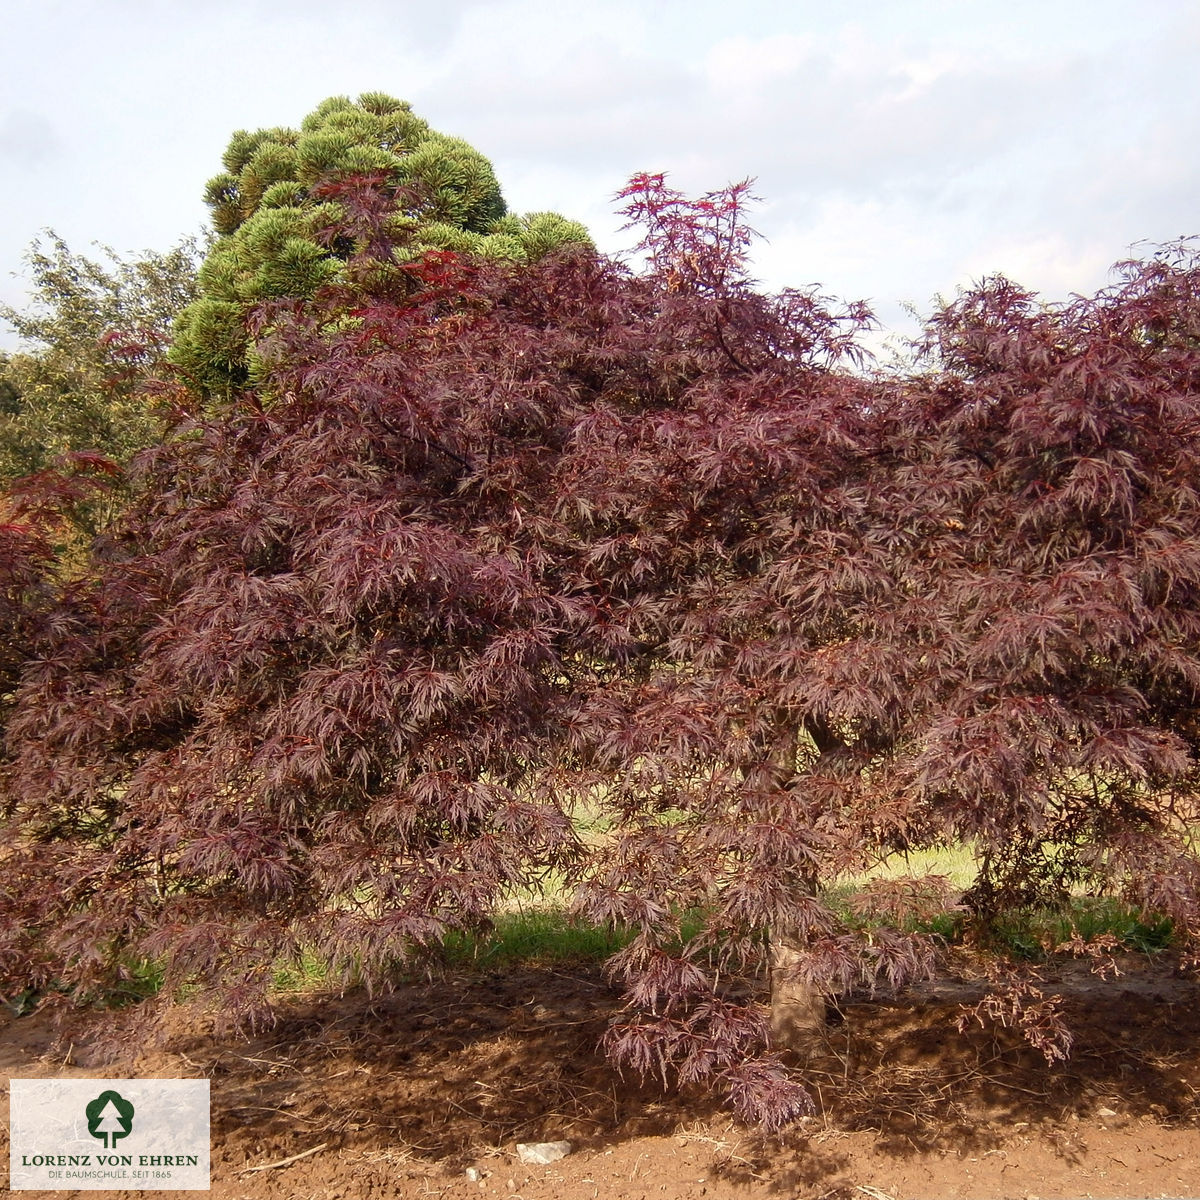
(405, 1092)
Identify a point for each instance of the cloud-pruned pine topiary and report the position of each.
(274, 227)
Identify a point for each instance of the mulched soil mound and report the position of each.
(403, 1093)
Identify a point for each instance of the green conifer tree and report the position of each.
(270, 223)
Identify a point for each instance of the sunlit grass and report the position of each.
(1033, 934)
(541, 936)
(958, 863)
(305, 974)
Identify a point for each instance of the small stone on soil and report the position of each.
(542, 1153)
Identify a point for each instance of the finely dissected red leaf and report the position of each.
(625, 578)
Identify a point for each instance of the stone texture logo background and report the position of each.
(89, 1134)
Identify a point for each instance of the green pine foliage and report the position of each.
(270, 244)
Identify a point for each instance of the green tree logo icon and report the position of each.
(109, 1116)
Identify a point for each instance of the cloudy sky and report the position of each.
(900, 147)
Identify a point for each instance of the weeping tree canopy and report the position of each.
(279, 237)
(358, 655)
(525, 539)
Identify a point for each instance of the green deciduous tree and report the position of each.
(96, 329)
(279, 235)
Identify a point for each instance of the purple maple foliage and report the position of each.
(505, 547)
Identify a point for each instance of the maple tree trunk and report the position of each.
(797, 1007)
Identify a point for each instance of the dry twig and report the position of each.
(285, 1162)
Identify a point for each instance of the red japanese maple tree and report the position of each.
(507, 543)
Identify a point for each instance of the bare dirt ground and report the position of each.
(399, 1095)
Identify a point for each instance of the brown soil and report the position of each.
(406, 1092)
